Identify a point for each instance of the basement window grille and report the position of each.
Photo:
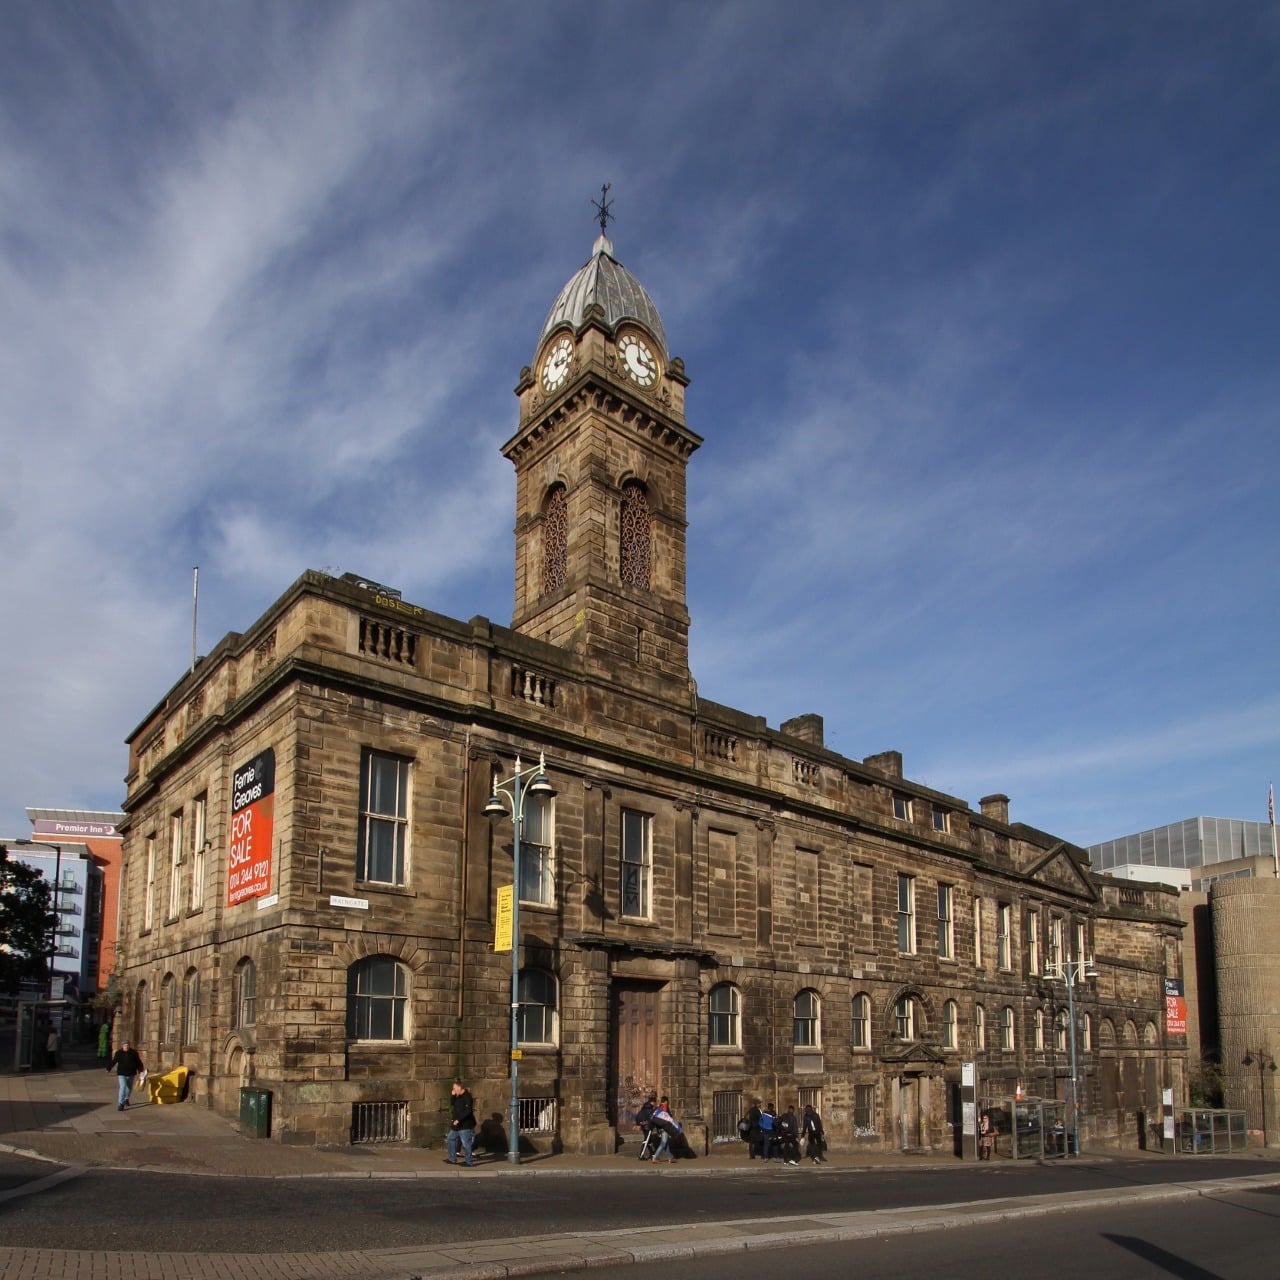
(726, 1111)
(537, 1115)
(379, 1122)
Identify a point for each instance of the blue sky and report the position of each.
(978, 302)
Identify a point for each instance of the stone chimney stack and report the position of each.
(807, 728)
(996, 806)
(887, 762)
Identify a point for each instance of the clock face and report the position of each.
(555, 368)
(638, 361)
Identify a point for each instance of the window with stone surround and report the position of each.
(979, 1027)
(1006, 1029)
(141, 1015)
(906, 914)
(199, 840)
(806, 1020)
(1004, 936)
(864, 1110)
(1039, 1029)
(538, 1021)
(537, 852)
(1033, 942)
(191, 1008)
(555, 539)
(384, 818)
(636, 535)
(904, 1018)
(244, 994)
(862, 1021)
(637, 863)
(977, 933)
(950, 1025)
(175, 864)
(168, 1009)
(901, 807)
(149, 897)
(377, 999)
(941, 818)
(724, 1027)
(946, 925)
(1060, 1031)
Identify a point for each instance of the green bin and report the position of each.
(255, 1113)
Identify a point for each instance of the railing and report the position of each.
(726, 1111)
(533, 687)
(379, 1122)
(391, 644)
(537, 1115)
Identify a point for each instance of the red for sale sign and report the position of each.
(1175, 1007)
(253, 806)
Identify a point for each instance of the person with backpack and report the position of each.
(768, 1132)
(811, 1126)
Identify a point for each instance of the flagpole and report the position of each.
(1271, 815)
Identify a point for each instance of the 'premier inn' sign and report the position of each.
(253, 806)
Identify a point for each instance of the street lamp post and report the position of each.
(1070, 972)
(1265, 1063)
(513, 792)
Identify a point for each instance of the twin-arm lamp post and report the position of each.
(1071, 972)
(512, 793)
(1265, 1063)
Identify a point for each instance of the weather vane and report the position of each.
(602, 207)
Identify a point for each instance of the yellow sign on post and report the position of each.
(502, 925)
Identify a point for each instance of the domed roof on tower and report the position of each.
(605, 282)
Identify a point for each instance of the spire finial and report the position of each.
(602, 207)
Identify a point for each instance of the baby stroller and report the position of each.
(651, 1140)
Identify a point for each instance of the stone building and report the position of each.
(710, 906)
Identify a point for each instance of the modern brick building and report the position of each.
(709, 906)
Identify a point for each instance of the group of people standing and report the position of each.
(772, 1136)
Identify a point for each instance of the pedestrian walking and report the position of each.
(668, 1129)
(815, 1142)
(127, 1064)
(462, 1124)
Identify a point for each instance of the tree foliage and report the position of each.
(26, 920)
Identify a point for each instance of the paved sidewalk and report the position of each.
(68, 1118)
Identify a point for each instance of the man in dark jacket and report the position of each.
(643, 1117)
(462, 1124)
(128, 1066)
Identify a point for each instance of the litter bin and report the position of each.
(255, 1113)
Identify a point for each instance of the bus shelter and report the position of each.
(1207, 1131)
(1030, 1128)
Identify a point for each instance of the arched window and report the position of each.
(555, 539)
(806, 1020)
(141, 1015)
(191, 1008)
(950, 1021)
(722, 1012)
(1087, 1033)
(168, 1009)
(1150, 1035)
(862, 1021)
(537, 1018)
(377, 996)
(244, 994)
(904, 1018)
(1060, 1032)
(1039, 1029)
(633, 553)
(1006, 1029)
(979, 1027)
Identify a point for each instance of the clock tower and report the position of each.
(600, 459)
